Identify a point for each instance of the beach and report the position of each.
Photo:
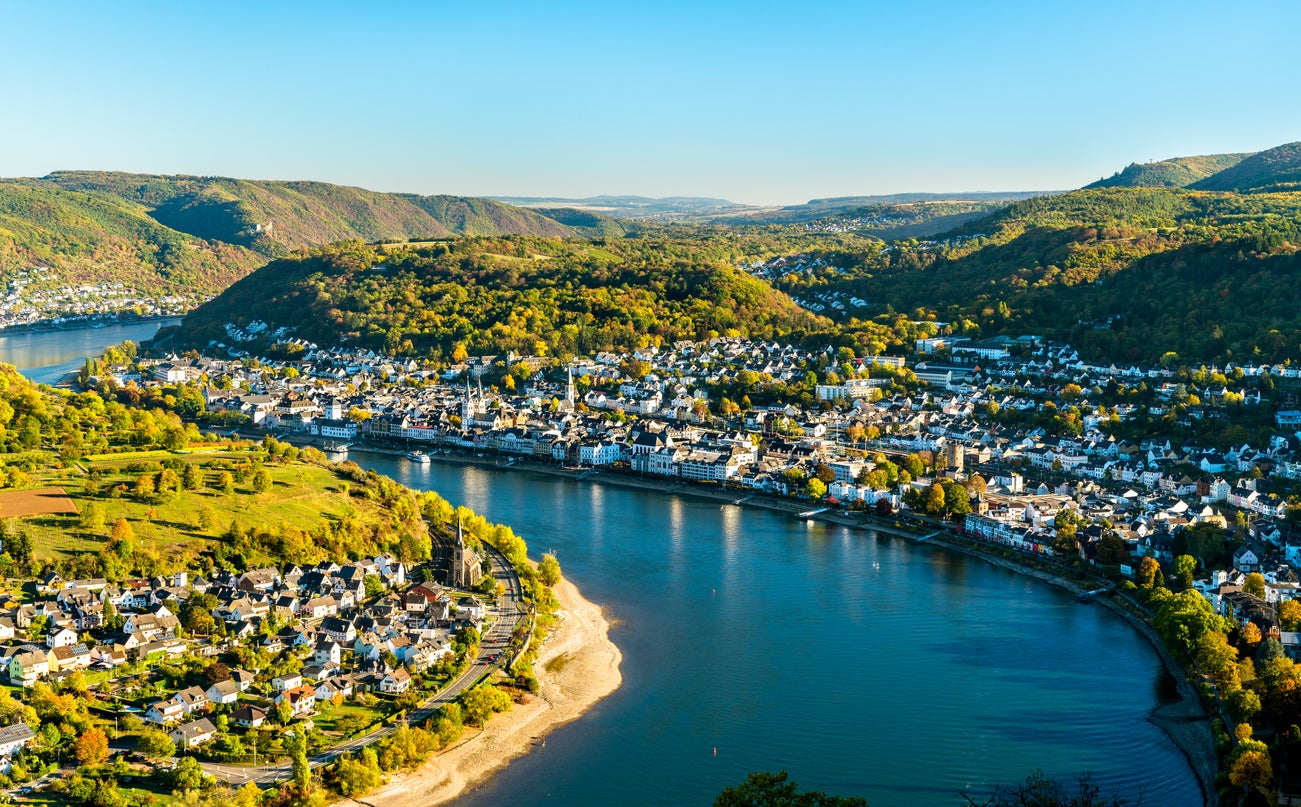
(588, 672)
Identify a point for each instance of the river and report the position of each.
(47, 356)
(861, 663)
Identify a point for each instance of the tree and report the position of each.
(549, 570)
(226, 482)
(261, 480)
(824, 473)
(374, 586)
(91, 746)
(1185, 565)
(296, 743)
(815, 488)
(1251, 769)
(190, 476)
(935, 500)
(1289, 614)
(776, 790)
(1149, 572)
(1255, 585)
(959, 502)
(357, 777)
(283, 712)
(144, 487)
(188, 775)
(92, 517)
(155, 744)
(481, 702)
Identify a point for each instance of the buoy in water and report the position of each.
(715, 750)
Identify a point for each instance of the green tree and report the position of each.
(549, 570)
(482, 701)
(776, 790)
(155, 744)
(191, 478)
(815, 488)
(1185, 565)
(1255, 585)
(261, 480)
(959, 503)
(374, 586)
(188, 775)
(92, 517)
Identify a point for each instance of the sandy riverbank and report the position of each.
(589, 673)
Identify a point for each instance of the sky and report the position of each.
(756, 102)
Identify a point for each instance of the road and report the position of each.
(494, 643)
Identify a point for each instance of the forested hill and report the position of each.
(1179, 172)
(1125, 274)
(1277, 169)
(95, 238)
(491, 295)
(276, 217)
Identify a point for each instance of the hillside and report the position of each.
(492, 295)
(1276, 169)
(276, 217)
(1179, 172)
(94, 238)
(1125, 274)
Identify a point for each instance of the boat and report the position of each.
(418, 456)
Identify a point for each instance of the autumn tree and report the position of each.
(91, 746)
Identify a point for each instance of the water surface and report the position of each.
(861, 663)
(47, 356)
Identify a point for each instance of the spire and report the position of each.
(569, 388)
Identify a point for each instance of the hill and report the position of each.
(489, 295)
(275, 217)
(1276, 169)
(1179, 172)
(95, 238)
(1125, 274)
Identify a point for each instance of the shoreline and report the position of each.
(589, 673)
(1184, 721)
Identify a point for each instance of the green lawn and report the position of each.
(301, 495)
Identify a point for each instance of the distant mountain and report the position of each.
(847, 202)
(1276, 169)
(633, 207)
(274, 217)
(1178, 172)
(168, 235)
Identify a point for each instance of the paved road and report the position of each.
(494, 643)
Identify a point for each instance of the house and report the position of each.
(328, 689)
(193, 699)
(167, 711)
(396, 682)
(242, 678)
(1244, 560)
(328, 651)
(282, 683)
(14, 738)
(223, 692)
(26, 668)
(250, 717)
(61, 637)
(338, 629)
(195, 733)
(301, 699)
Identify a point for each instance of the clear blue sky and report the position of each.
(753, 101)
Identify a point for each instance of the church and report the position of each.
(467, 566)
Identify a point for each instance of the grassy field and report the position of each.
(301, 495)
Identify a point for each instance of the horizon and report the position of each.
(748, 103)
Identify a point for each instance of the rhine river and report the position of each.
(861, 663)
